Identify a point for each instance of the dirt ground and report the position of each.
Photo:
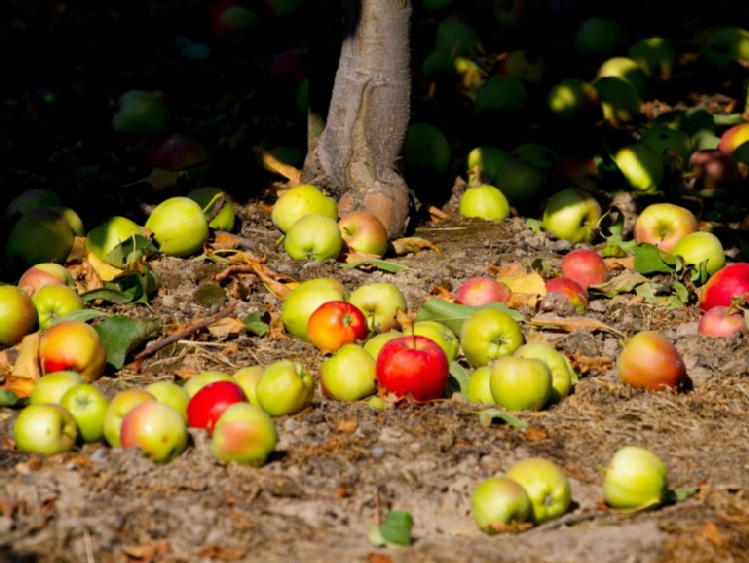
(337, 467)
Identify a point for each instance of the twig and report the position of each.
(569, 520)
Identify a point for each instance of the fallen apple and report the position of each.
(171, 394)
(499, 502)
(722, 321)
(479, 388)
(572, 214)
(247, 377)
(286, 387)
(18, 316)
(664, 225)
(576, 294)
(650, 360)
(489, 334)
(197, 382)
(727, 286)
(546, 485)
(244, 434)
(157, 429)
(302, 301)
(41, 235)
(701, 246)
(563, 375)
(39, 275)
(335, 323)
(441, 334)
(140, 112)
(208, 404)
(413, 365)
(635, 478)
(349, 375)
(30, 199)
(584, 266)
(314, 238)
(73, 345)
(51, 387)
(299, 201)
(88, 405)
(364, 233)
(642, 167)
(380, 302)
(519, 383)
(178, 226)
(45, 429)
(104, 238)
(54, 301)
(122, 402)
(481, 290)
(484, 202)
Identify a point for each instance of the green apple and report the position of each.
(426, 147)
(726, 45)
(285, 387)
(572, 214)
(635, 478)
(674, 145)
(157, 429)
(18, 316)
(244, 434)
(88, 405)
(524, 64)
(197, 382)
(33, 198)
(563, 376)
(51, 387)
(498, 502)
(299, 201)
(655, 55)
(315, 238)
(45, 429)
(441, 334)
(501, 96)
(247, 377)
(54, 301)
(701, 246)
(298, 305)
(479, 390)
(619, 100)
(484, 164)
(170, 393)
(489, 334)
(208, 199)
(380, 302)
(641, 167)
(41, 235)
(71, 216)
(456, 35)
(104, 238)
(122, 403)
(350, 374)
(140, 112)
(599, 37)
(574, 100)
(520, 384)
(484, 202)
(627, 69)
(374, 344)
(547, 487)
(541, 157)
(179, 226)
(521, 181)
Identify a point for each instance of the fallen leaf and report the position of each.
(347, 426)
(186, 372)
(105, 271)
(222, 553)
(436, 214)
(620, 263)
(529, 283)
(85, 275)
(439, 292)
(584, 364)
(147, 552)
(20, 386)
(518, 300)
(268, 161)
(405, 320)
(507, 270)
(711, 532)
(226, 327)
(576, 323)
(379, 558)
(535, 434)
(409, 245)
(27, 363)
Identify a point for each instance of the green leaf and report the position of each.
(649, 259)
(255, 324)
(129, 250)
(678, 495)
(383, 265)
(121, 335)
(83, 315)
(396, 527)
(487, 416)
(452, 315)
(535, 225)
(133, 288)
(8, 398)
(728, 119)
(458, 380)
(623, 283)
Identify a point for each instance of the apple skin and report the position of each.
(714, 169)
(520, 181)
(88, 405)
(18, 315)
(374, 344)
(380, 303)
(674, 145)
(104, 238)
(51, 387)
(619, 100)
(642, 167)
(573, 291)
(547, 487)
(157, 429)
(415, 365)
(562, 373)
(244, 434)
(170, 393)
(584, 266)
(122, 403)
(139, 112)
(481, 290)
(656, 56)
(197, 382)
(489, 334)
(539, 156)
(364, 233)
(298, 305)
(234, 24)
(285, 388)
(519, 383)
(484, 163)
(664, 225)
(525, 65)
(501, 96)
(315, 238)
(484, 202)
(53, 301)
(722, 322)
(729, 284)
(41, 235)
(441, 334)
(247, 377)
(733, 137)
(71, 217)
(300, 201)
(45, 429)
(572, 214)
(349, 375)
(426, 147)
(635, 478)
(650, 360)
(479, 388)
(624, 68)
(728, 44)
(39, 275)
(178, 225)
(336, 323)
(209, 403)
(498, 502)
(599, 37)
(73, 345)
(574, 100)
(33, 198)
(699, 246)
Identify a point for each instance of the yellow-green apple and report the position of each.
(725, 46)
(30, 199)
(140, 112)
(664, 224)
(674, 145)
(521, 181)
(635, 478)
(179, 226)
(540, 157)
(363, 233)
(650, 360)
(727, 286)
(18, 315)
(489, 334)
(585, 266)
(335, 323)
(54, 301)
(51, 387)
(315, 238)
(197, 382)
(157, 429)
(244, 434)
(563, 375)
(733, 137)
(501, 96)
(714, 169)
(655, 55)
(701, 246)
(71, 216)
(619, 101)
(641, 166)
(88, 405)
(39, 275)
(45, 429)
(520, 384)
(247, 377)
(479, 389)
(209, 199)
(73, 345)
(299, 201)
(41, 235)
(104, 238)
(524, 64)
(576, 100)
(286, 387)
(380, 303)
(498, 502)
(350, 374)
(576, 294)
(302, 301)
(572, 214)
(208, 404)
(627, 69)
(484, 164)
(414, 365)
(546, 485)
(481, 290)
(722, 321)
(122, 403)
(441, 334)
(484, 202)
(374, 344)
(426, 148)
(179, 153)
(598, 37)
(171, 394)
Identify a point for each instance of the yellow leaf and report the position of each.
(272, 164)
(227, 326)
(408, 245)
(106, 271)
(530, 282)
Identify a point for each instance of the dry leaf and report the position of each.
(272, 164)
(147, 552)
(186, 372)
(409, 245)
(85, 275)
(222, 553)
(507, 270)
(351, 257)
(379, 558)
(439, 292)
(21, 386)
(27, 363)
(77, 251)
(405, 320)
(517, 300)
(535, 434)
(530, 282)
(623, 263)
(347, 426)
(436, 214)
(712, 533)
(584, 364)
(576, 323)
(227, 326)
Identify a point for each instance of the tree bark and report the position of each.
(357, 157)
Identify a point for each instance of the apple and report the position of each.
(171, 394)
(619, 100)
(315, 238)
(741, 154)
(733, 137)
(178, 226)
(635, 478)
(122, 402)
(664, 225)
(599, 37)
(650, 360)
(426, 147)
(701, 246)
(292, 62)
(349, 375)
(519, 383)
(584, 266)
(655, 55)
(489, 334)
(39, 275)
(479, 389)
(520, 181)
(441, 334)
(484, 202)
(572, 214)
(208, 404)
(247, 377)
(104, 238)
(140, 112)
(197, 382)
(563, 375)
(714, 169)
(627, 69)
(725, 46)
(208, 199)
(235, 24)
(577, 168)
(88, 405)
(18, 315)
(299, 201)
(71, 217)
(501, 96)
(73, 345)
(45, 429)
(364, 233)
(547, 487)
(30, 199)
(302, 301)
(380, 303)
(41, 235)
(413, 365)
(641, 166)
(244, 434)
(498, 502)
(374, 344)
(481, 290)
(524, 64)
(484, 164)
(51, 387)
(722, 321)
(728, 285)
(335, 323)
(674, 145)
(576, 294)
(541, 157)
(54, 301)
(286, 387)
(157, 429)
(574, 100)
(179, 153)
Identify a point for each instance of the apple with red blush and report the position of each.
(584, 266)
(157, 429)
(575, 293)
(722, 321)
(73, 345)
(209, 403)
(650, 360)
(414, 365)
(37, 276)
(336, 323)
(364, 233)
(713, 169)
(244, 434)
(18, 316)
(727, 286)
(480, 290)
(733, 137)
(664, 224)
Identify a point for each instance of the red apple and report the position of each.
(210, 402)
(480, 290)
(664, 224)
(650, 360)
(584, 266)
(336, 323)
(573, 291)
(729, 284)
(713, 169)
(722, 322)
(413, 364)
(364, 233)
(73, 345)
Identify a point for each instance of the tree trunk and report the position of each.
(357, 157)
